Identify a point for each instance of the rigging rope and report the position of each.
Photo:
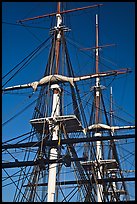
(30, 56)
(23, 110)
(14, 183)
(16, 138)
(80, 46)
(8, 23)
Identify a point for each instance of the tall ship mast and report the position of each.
(76, 149)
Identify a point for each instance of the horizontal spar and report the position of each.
(78, 182)
(61, 12)
(67, 141)
(51, 79)
(39, 162)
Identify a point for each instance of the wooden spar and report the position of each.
(61, 12)
(39, 162)
(101, 46)
(67, 141)
(79, 182)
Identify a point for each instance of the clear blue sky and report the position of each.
(117, 25)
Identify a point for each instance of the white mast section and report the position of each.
(53, 151)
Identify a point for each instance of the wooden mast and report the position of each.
(97, 106)
(57, 48)
(97, 79)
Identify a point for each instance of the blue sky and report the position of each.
(117, 25)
